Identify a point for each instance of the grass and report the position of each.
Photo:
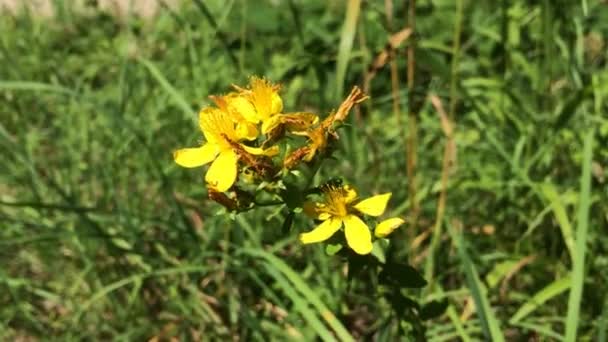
(103, 237)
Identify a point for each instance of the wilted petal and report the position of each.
(222, 173)
(375, 205)
(357, 234)
(198, 156)
(299, 121)
(317, 141)
(323, 231)
(387, 226)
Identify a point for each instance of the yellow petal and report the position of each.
(204, 124)
(265, 98)
(323, 231)
(324, 216)
(277, 103)
(350, 194)
(243, 107)
(246, 130)
(222, 173)
(375, 205)
(258, 151)
(357, 234)
(271, 123)
(387, 226)
(198, 156)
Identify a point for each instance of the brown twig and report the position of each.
(356, 96)
(387, 54)
(449, 154)
(448, 161)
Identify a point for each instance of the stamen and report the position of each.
(335, 198)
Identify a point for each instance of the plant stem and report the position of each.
(412, 140)
(455, 60)
(388, 5)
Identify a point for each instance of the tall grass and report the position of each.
(104, 238)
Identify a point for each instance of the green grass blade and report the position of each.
(551, 194)
(455, 319)
(346, 43)
(133, 279)
(221, 36)
(440, 332)
(541, 330)
(300, 304)
(489, 322)
(35, 86)
(578, 269)
(306, 291)
(175, 96)
(602, 325)
(548, 292)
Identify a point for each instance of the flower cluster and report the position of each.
(341, 206)
(245, 141)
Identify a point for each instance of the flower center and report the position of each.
(337, 199)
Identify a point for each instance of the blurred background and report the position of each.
(102, 236)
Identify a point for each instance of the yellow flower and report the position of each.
(258, 103)
(265, 97)
(223, 137)
(241, 111)
(261, 103)
(341, 206)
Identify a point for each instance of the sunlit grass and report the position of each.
(103, 237)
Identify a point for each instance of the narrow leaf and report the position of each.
(548, 292)
(578, 269)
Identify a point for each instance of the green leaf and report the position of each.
(400, 303)
(378, 249)
(332, 248)
(401, 276)
(122, 243)
(356, 263)
(288, 223)
(433, 309)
